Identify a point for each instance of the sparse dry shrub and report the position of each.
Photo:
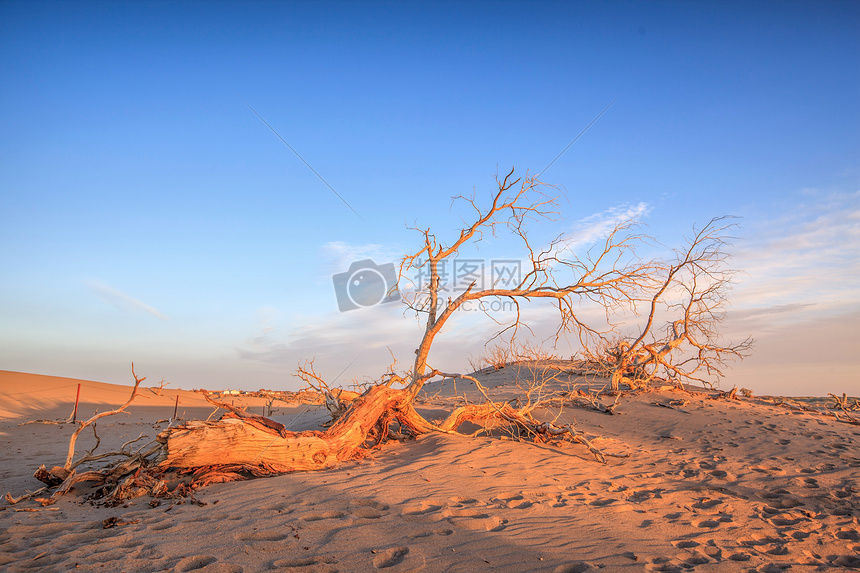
(529, 351)
(498, 356)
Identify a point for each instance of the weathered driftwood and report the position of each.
(244, 442)
(235, 440)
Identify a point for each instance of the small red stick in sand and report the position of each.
(176, 407)
(77, 398)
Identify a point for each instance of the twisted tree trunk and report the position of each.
(258, 445)
(241, 441)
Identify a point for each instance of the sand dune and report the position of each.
(713, 485)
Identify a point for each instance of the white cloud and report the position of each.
(808, 255)
(121, 300)
(353, 343)
(595, 227)
(337, 256)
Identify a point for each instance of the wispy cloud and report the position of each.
(595, 227)
(809, 254)
(337, 256)
(755, 313)
(359, 339)
(121, 300)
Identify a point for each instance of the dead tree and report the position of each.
(610, 276)
(689, 293)
(607, 278)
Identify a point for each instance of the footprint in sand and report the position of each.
(707, 503)
(324, 515)
(421, 511)
(194, 562)
(692, 558)
(776, 549)
(574, 567)
(474, 519)
(771, 470)
(721, 474)
(712, 551)
(665, 564)
(367, 508)
(640, 496)
(390, 557)
(785, 502)
(514, 501)
(757, 539)
(852, 561)
(321, 564)
(848, 534)
(205, 564)
(786, 521)
(443, 532)
(779, 499)
(282, 507)
(457, 499)
(811, 483)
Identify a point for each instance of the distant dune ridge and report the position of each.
(709, 484)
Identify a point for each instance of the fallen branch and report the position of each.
(844, 402)
(590, 401)
(264, 423)
(730, 395)
(522, 419)
(73, 439)
(673, 405)
(13, 500)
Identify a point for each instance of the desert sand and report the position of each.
(706, 485)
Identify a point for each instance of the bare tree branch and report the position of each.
(82, 425)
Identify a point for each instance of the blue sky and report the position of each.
(147, 214)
